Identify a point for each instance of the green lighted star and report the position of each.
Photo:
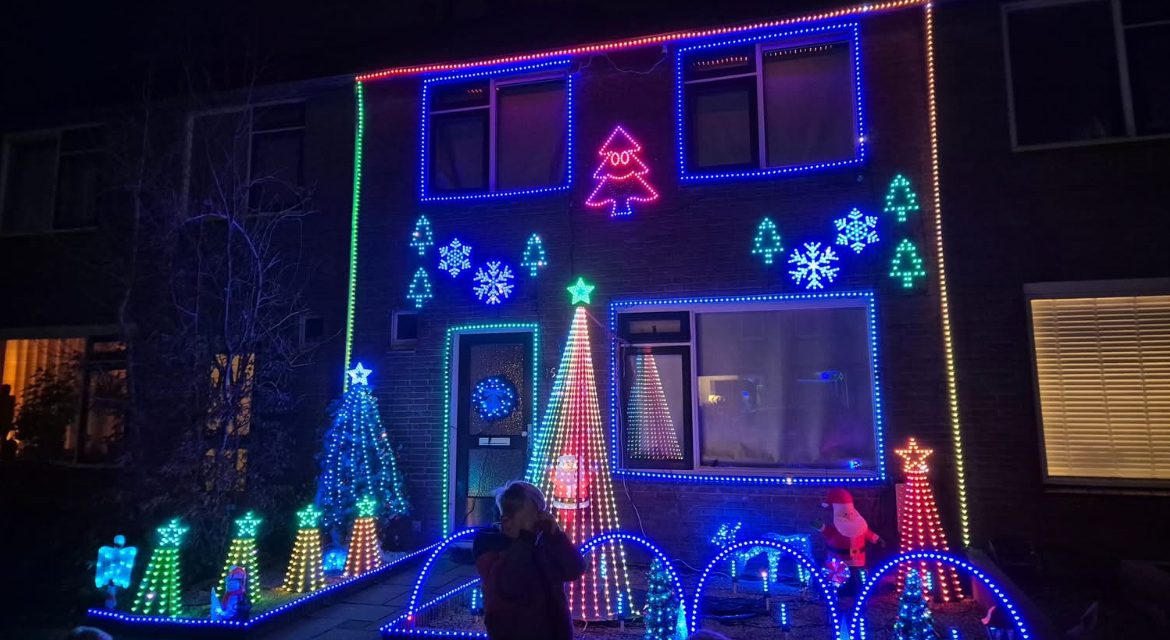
(581, 291)
(171, 534)
(367, 506)
(309, 517)
(247, 525)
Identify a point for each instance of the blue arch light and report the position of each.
(655, 550)
(425, 572)
(830, 596)
(856, 626)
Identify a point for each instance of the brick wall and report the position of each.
(1081, 213)
(694, 241)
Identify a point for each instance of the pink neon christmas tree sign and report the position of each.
(620, 175)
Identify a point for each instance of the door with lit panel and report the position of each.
(495, 412)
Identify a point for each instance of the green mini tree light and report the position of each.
(422, 238)
(420, 288)
(158, 593)
(662, 605)
(534, 258)
(914, 620)
(767, 241)
(907, 264)
(900, 198)
(242, 553)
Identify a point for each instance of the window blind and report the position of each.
(1103, 369)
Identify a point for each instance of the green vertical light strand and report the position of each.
(358, 141)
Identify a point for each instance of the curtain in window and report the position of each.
(23, 358)
(722, 131)
(531, 137)
(459, 151)
(809, 105)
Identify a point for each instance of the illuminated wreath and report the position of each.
(494, 398)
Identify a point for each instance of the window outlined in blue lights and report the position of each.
(506, 76)
(810, 36)
(847, 474)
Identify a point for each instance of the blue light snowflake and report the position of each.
(494, 285)
(455, 257)
(857, 231)
(813, 265)
(494, 398)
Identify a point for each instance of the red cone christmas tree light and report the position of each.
(919, 526)
(652, 434)
(571, 465)
(620, 175)
(365, 550)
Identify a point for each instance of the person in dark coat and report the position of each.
(524, 563)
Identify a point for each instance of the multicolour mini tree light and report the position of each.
(365, 550)
(914, 619)
(420, 288)
(306, 566)
(767, 241)
(242, 553)
(900, 198)
(920, 528)
(662, 605)
(158, 593)
(651, 432)
(422, 237)
(534, 258)
(570, 463)
(358, 458)
(620, 175)
(907, 264)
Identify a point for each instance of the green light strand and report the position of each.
(358, 142)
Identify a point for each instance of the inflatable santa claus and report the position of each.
(848, 533)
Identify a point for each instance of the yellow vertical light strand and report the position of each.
(944, 305)
(358, 142)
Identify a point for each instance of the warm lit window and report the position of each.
(778, 105)
(52, 180)
(68, 396)
(1103, 380)
(769, 387)
(1085, 70)
(232, 386)
(496, 136)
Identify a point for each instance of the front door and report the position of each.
(494, 412)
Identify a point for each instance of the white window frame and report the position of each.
(495, 83)
(189, 135)
(1082, 289)
(699, 469)
(54, 133)
(1119, 43)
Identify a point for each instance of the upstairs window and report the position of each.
(52, 180)
(781, 103)
(1087, 70)
(496, 136)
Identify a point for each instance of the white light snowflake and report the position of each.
(856, 231)
(454, 257)
(813, 265)
(494, 283)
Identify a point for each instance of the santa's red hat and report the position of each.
(838, 495)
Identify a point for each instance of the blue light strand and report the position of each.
(403, 625)
(164, 622)
(425, 572)
(787, 479)
(859, 112)
(830, 595)
(857, 629)
(505, 70)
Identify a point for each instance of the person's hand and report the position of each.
(509, 527)
(547, 522)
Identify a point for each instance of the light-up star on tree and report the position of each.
(581, 291)
(570, 464)
(620, 175)
(919, 525)
(856, 231)
(455, 257)
(359, 375)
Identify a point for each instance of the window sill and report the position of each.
(770, 172)
(486, 195)
(769, 477)
(1095, 142)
